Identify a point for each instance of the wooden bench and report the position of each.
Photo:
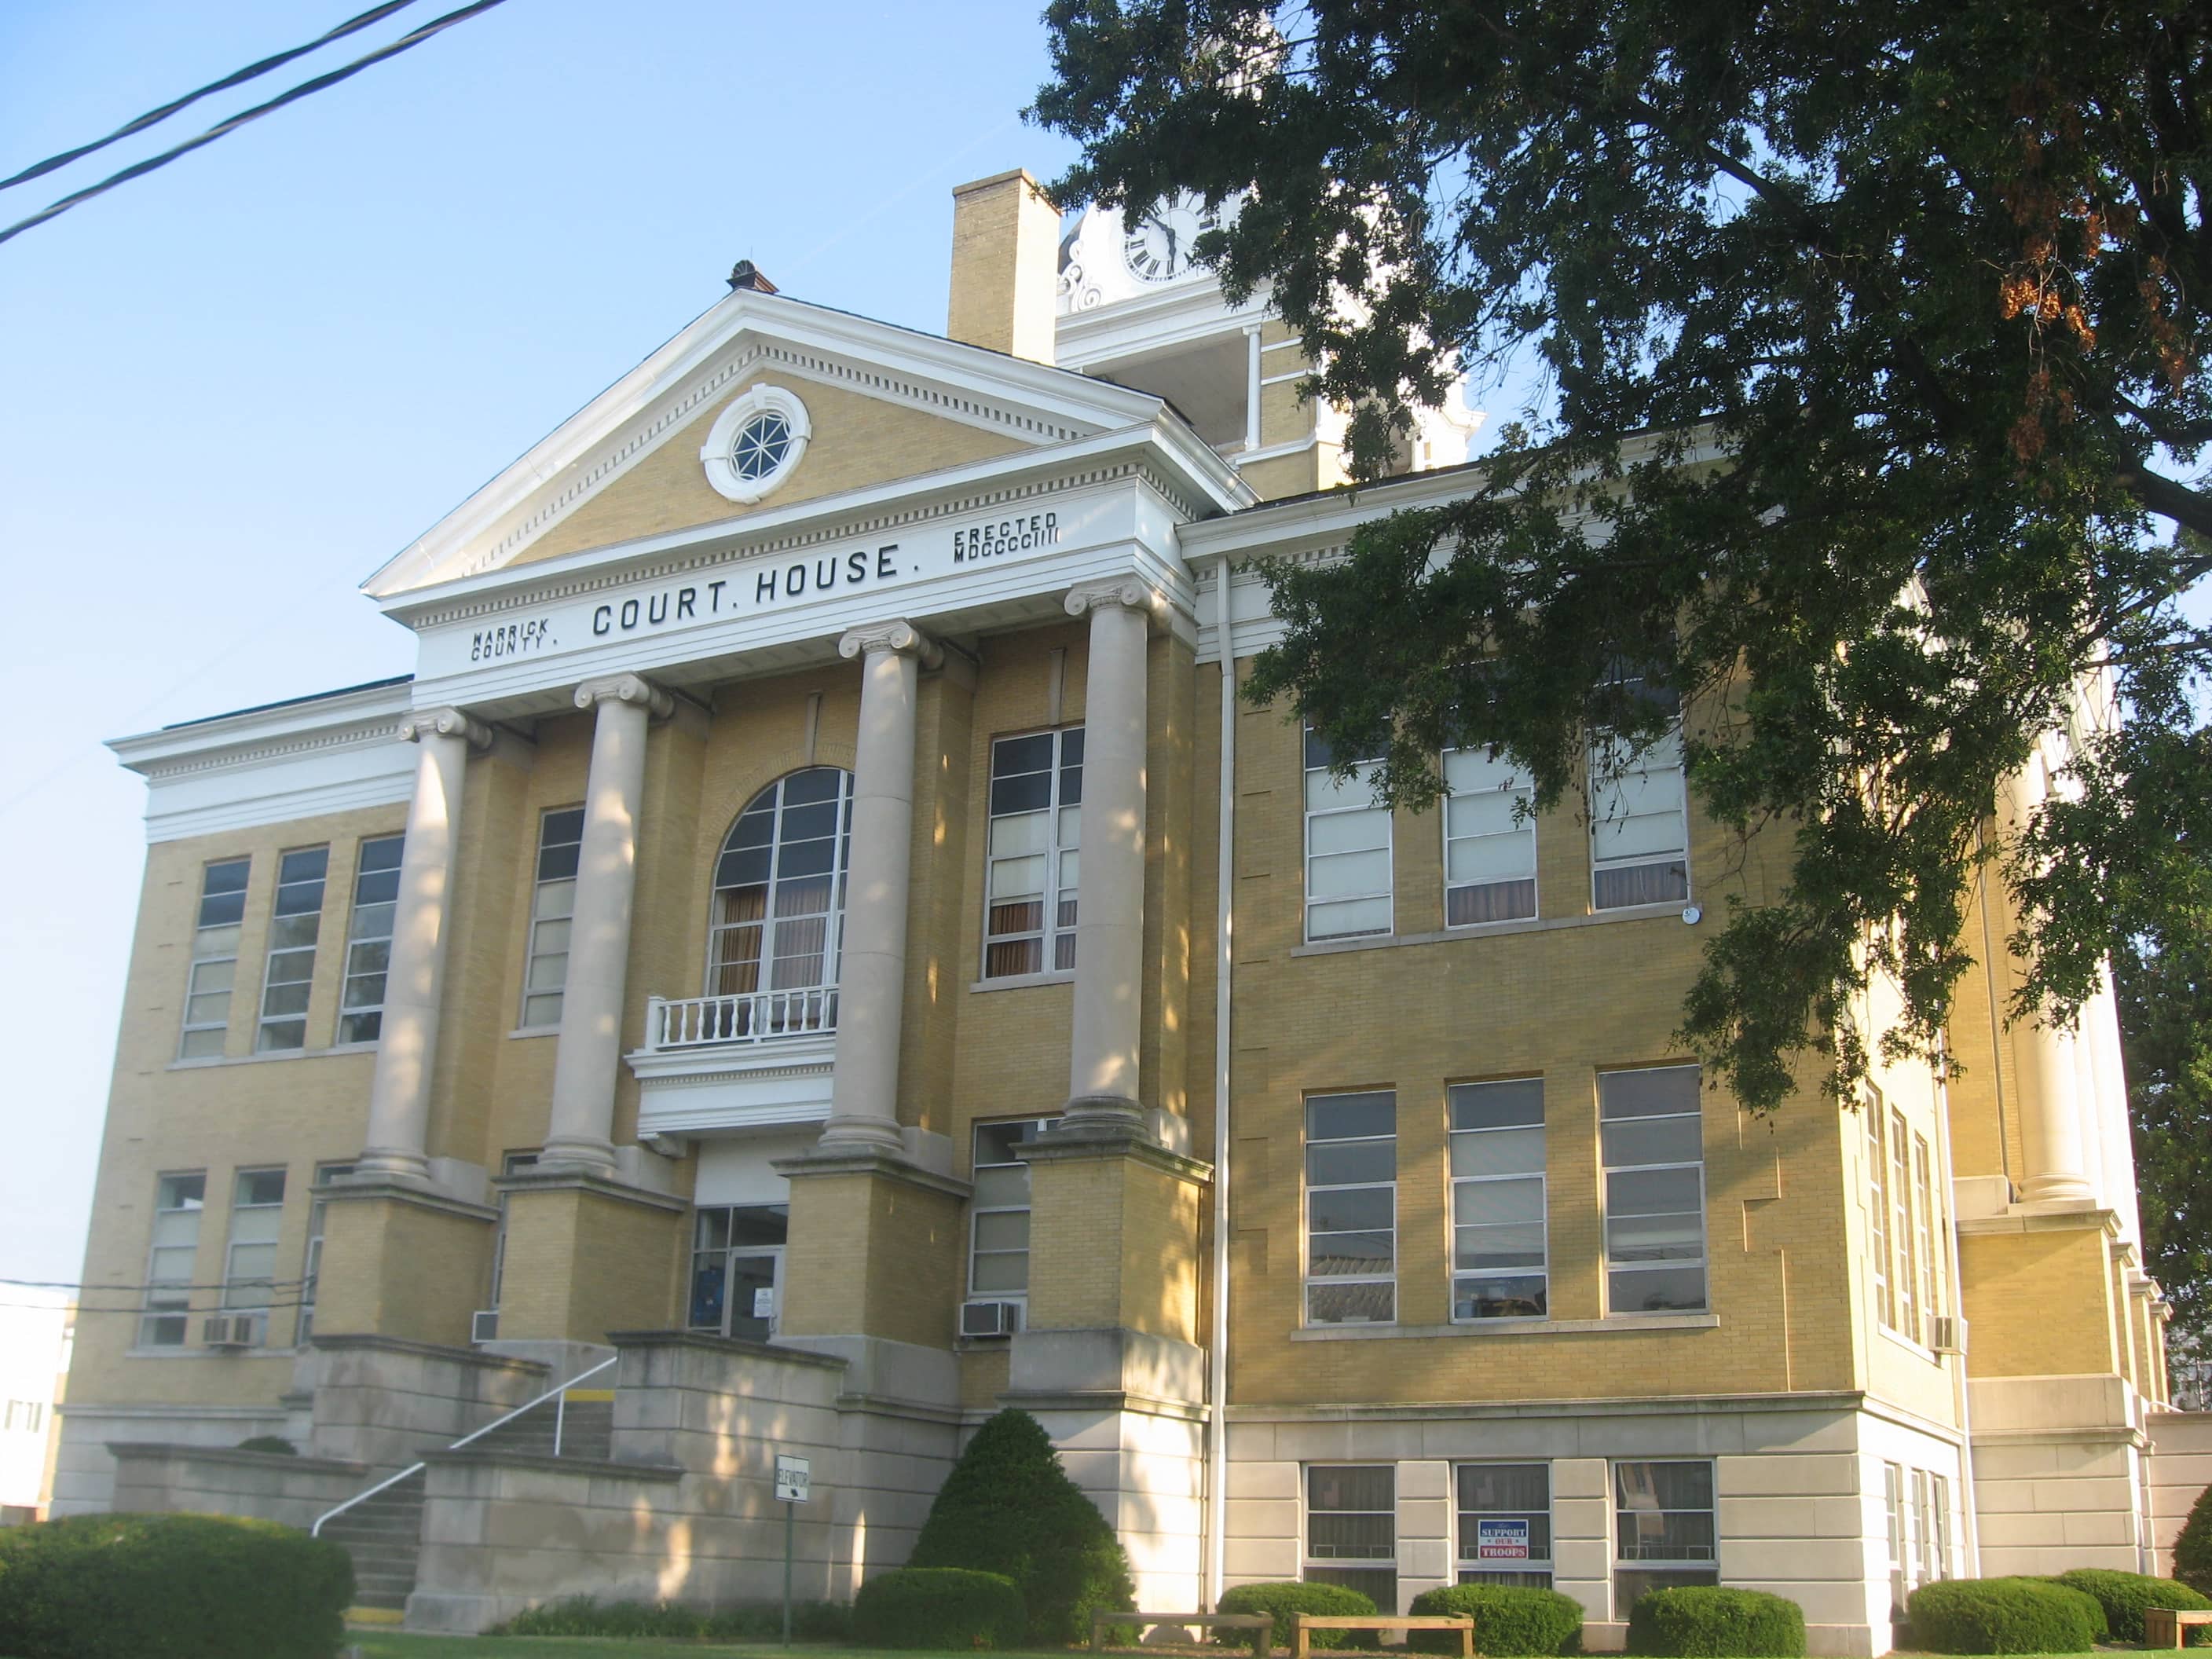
(1259, 1624)
(2162, 1626)
(1310, 1622)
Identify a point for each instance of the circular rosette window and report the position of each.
(756, 443)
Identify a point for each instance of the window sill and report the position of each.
(1919, 1350)
(1613, 1325)
(186, 1351)
(1023, 981)
(1327, 947)
(208, 1061)
(534, 1031)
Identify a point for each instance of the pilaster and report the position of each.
(586, 1254)
(401, 1259)
(875, 1254)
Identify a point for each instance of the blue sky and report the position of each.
(230, 390)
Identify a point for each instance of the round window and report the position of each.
(756, 443)
(763, 442)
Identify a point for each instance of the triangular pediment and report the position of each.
(880, 403)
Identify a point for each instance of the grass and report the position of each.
(394, 1645)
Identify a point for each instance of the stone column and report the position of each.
(590, 1051)
(399, 1089)
(2051, 1114)
(1110, 916)
(871, 979)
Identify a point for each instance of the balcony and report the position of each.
(719, 1066)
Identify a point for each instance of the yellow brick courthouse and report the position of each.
(817, 953)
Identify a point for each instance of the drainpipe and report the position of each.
(1217, 1382)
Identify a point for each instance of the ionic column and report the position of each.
(590, 1044)
(1109, 914)
(872, 977)
(407, 1042)
(2051, 1113)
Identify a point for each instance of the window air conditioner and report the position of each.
(483, 1325)
(1947, 1333)
(228, 1331)
(990, 1318)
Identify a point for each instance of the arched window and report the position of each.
(779, 907)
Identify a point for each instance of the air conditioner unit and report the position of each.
(990, 1318)
(228, 1331)
(483, 1325)
(1947, 1333)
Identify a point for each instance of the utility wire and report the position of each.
(302, 90)
(65, 1284)
(376, 15)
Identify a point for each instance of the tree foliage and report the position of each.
(1871, 348)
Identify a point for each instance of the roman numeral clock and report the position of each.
(1103, 261)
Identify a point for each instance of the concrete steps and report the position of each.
(383, 1534)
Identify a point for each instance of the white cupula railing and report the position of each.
(748, 1017)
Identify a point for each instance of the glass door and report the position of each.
(756, 1291)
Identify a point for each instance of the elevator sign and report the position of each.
(794, 1475)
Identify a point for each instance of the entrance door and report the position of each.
(756, 1292)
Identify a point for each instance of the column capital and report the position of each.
(422, 723)
(626, 688)
(898, 635)
(1130, 593)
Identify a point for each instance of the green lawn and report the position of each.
(382, 1644)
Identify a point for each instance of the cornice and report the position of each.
(303, 727)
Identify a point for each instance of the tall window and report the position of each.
(1498, 1200)
(293, 931)
(215, 960)
(512, 1163)
(736, 1252)
(249, 1269)
(779, 905)
(1489, 841)
(1940, 1560)
(1924, 1528)
(1352, 1208)
(1662, 1528)
(1639, 809)
(998, 1214)
(1893, 1510)
(1352, 1529)
(178, 1202)
(1877, 1164)
(1924, 1192)
(552, 905)
(1653, 1139)
(1037, 826)
(310, 1274)
(368, 940)
(1504, 1523)
(1900, 1225)
(1347, 848)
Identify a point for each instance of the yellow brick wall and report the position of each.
(402, 1269)
(1006, 244)
(872, 1255)
(855, 440)
(580, 1263)
(1113, 1240)
(2014, 1280)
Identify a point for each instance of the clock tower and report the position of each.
(1133, 307)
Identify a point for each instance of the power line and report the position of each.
(139, 169)
(376, 15)
(129, 1290)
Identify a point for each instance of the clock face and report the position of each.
(1158, 249)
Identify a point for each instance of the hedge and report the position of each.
(1510, 1619)
(1703, 1621)
(1285, 1601)
(2123, 1595)
(1008, 1507)
(2192, 1548)
(749, 1621)
(948, 1608)
(182, 1586)
(2002, 1615)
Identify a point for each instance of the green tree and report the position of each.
(2165, 1012)
(1008, 1507)
(1870, 348)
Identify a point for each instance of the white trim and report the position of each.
(1612, 1325)
(716, 453)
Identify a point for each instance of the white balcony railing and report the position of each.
(750, 1016)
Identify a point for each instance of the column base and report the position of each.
(2054, 1188)
(851, 1133)
(586, 1254)
(401, 1259)
(875, 1248)
(578, 1152)
(394, 1164)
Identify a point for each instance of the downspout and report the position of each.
(1216, 1381)
(1969, 1497)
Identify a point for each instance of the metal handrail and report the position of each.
(559, 1414)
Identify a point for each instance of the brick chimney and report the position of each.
(1005, 265)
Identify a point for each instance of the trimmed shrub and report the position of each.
(943, 1608)
(2123, 1596)
(2193, 1547)
(2002, 1615)
(1704, 1621)
(269, 1442)
(1008, 1507)
(182, 1586)
(1510, 1620)
(748, 1621)
(1285, 1601)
